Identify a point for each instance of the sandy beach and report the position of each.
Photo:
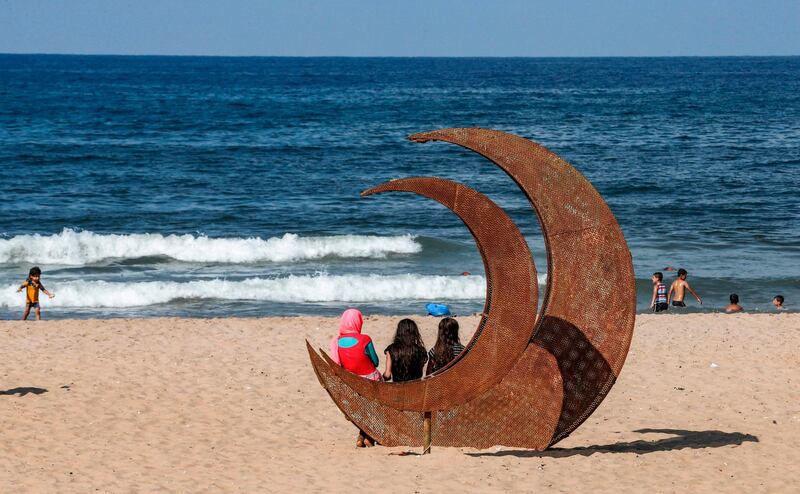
(705, 403)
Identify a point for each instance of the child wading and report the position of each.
(659, 301)
(32, 285)
(679, 288)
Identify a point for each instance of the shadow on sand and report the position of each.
(23, 391)
(682, 439)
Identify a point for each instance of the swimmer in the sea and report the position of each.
(734, 305)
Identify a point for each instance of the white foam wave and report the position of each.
(292, 289)
(71, 247)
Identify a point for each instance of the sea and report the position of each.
(217, 187)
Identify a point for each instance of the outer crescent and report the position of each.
(589, 306)
(509, 316)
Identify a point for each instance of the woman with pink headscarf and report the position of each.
(355, 352)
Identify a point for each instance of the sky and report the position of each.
(402, 27)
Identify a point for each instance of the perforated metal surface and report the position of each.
(518, 412)
(569, 361)
(388, 426)
(512, 301)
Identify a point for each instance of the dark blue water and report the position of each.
(166, 185)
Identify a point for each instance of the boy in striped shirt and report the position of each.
(659, 301)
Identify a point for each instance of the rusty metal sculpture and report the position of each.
(522, 381)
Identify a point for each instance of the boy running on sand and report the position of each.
(33, 284)
(659, 301)
(678, 287)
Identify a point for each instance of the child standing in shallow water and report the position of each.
(659, 301)
(32, 286)
(679, 288)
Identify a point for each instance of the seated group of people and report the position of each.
(405, 357)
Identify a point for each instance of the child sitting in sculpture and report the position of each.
(734, 305)
(356, 353)
(406, 356)
(352, 350)
(447, 347)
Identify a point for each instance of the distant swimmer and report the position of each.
(678, 286)
(466, 273)
(734, 305)
(659, 300)
(669, 269)
(778, 302)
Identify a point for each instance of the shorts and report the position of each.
(32, 305)
(678, 303)
(660, 307)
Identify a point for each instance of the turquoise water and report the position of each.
(200, 186)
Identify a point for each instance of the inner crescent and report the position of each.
(508, 321)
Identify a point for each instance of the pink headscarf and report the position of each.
(350, 323)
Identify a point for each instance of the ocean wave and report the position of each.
(78, 248)
(289, 289)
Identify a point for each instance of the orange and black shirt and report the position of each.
(32, 291)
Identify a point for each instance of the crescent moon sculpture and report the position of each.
(522, 381)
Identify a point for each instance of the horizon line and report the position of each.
(384, 56)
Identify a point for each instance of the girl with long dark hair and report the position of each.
(406, 356)
(448, 346)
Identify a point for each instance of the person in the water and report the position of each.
(32, 286)
(679, 288)
(659, 301)
(734, 305)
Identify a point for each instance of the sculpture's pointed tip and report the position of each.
(419, 138)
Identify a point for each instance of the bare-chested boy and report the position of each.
(734, 305)
(678, 287)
